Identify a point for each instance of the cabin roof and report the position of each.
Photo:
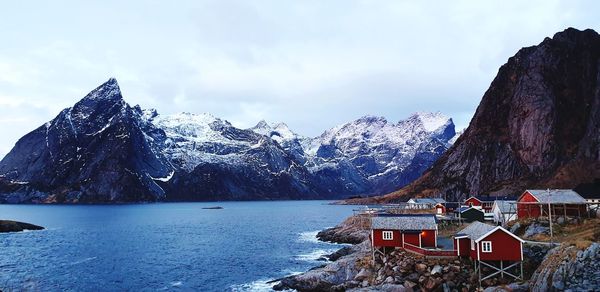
(475, 230)
(556, 196)
(506, 206)
(466, 208)
(405, 222)
(490, 198)
(427, 200)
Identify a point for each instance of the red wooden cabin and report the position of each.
(492, 247)
(534, 203)
(473, 201)
(399, 230)
(440, 209)
(486, 203)
(485, 242)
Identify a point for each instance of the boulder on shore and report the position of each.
(15, 226)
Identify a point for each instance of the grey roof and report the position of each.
(557, 196)
(475, 230)
(506, 206)
(428, 200)
(414, 222)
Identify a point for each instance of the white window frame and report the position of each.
(387, 235)
(472, 244)
(484, 245)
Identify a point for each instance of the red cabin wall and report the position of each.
(378, 238)
(464, 246)
(504, 247)
(472, 253)
(440, 207)
(475, 202)
(428, 238)
(412, 238)
(528, 210)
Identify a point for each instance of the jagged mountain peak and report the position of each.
(279, 131)
(574, 35)
(104, 150)
(108, 90)
(431, 121)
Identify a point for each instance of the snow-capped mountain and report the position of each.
(383, 155)
(103, 150)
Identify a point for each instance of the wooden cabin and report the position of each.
(397, 230)
(473, 201)
(470, 214)
(440, 209)
(481, 241)
(504, 211)
(424, 203)
(535, 203)
(485, 203)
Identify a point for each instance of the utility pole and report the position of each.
(550, 217)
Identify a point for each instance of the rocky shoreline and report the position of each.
(15, 226)
(351, 268)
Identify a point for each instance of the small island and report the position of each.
(15, 226)
(213, 208)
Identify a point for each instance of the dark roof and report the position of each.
(404, 222)
(465, 209)
(490, 198)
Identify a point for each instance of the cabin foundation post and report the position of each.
(522, 277)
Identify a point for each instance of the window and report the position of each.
(388, 235)
(472, 245)
(486, 246)
(470, 204)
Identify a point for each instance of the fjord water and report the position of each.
(171, 246)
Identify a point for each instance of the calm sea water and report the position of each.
(174, 246)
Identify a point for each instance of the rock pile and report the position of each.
(568, 268)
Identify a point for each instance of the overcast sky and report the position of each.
(311, 64)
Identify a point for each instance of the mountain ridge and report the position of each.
(104, 150)
(537, 126)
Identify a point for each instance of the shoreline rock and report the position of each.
(15, 226)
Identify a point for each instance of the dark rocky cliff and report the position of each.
(537, 126)
(95, 151)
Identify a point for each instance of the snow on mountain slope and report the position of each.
(104, 150)
(382, 153)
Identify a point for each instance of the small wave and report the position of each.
(262, 285)
(82, 261)
(176, 284)
(309, 236)
(258, 285)
(315, 255)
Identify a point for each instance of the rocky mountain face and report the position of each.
(371, 155)
(103, 150)
(537, 126)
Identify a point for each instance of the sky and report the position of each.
(310, 64)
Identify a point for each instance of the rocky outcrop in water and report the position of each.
(538, 125)
(15, 226)
(351, 231)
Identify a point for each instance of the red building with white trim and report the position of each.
(404, 229)
(492, 246)
(534, 203)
